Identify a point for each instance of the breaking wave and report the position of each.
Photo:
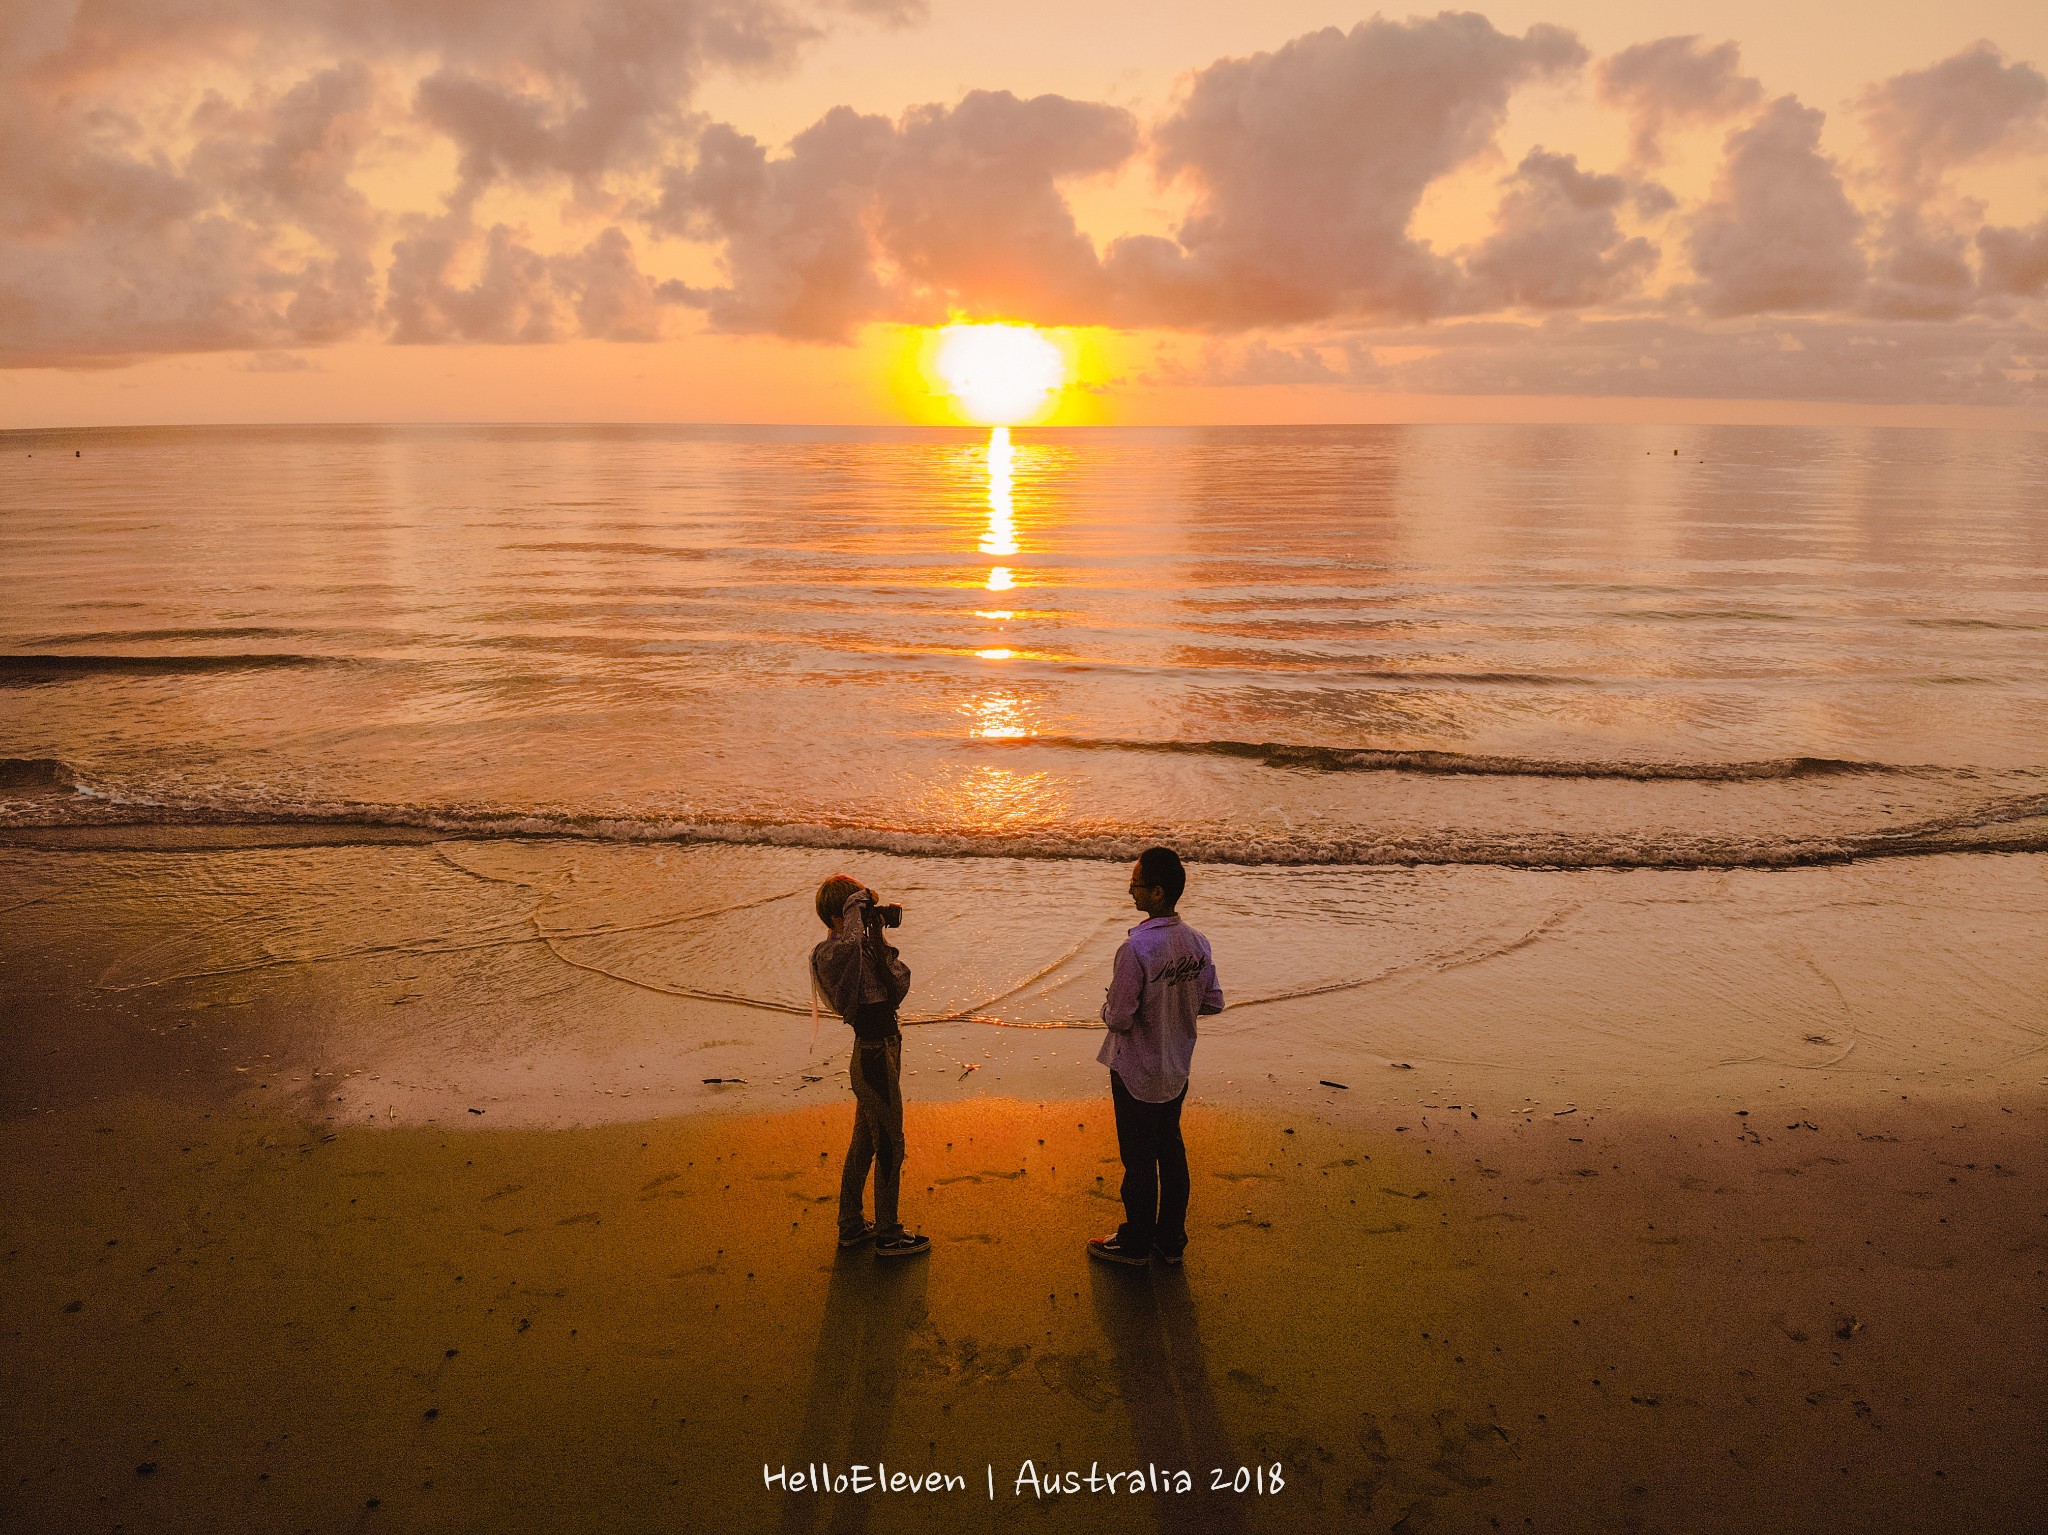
(2012, 824)
(1345, 759)
(36, 773)
(20, 669)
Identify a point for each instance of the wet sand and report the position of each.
(1726, 1321)
(379, 1187)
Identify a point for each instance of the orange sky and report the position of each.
(258, 213)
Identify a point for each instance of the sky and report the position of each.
(755, 210)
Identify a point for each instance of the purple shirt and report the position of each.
(1163, 979)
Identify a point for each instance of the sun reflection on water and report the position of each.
(996, 799)
(1001, 537)
(1001, 717)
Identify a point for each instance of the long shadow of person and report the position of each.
(870, 1309)
(1163, 1374)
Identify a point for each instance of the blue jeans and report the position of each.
(877, 1076)
(1155, 1171)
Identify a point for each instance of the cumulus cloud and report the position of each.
(1675, 82)
(1557, 242)
(1921, 271)
(1657, 357)
(1973, 106)
(183, 176)
(451, 282)
(1779, 232)
(257, 239)
(1304, 166)
(969, 206)
(2015, 260)
(961, 204)
(1307, 165)
(794, 229)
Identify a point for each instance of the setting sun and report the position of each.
(1000, 374)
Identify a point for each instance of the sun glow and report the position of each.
(1000, 374)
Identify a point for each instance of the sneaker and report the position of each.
(1110, 1250)
(903, 1244)
(1171, 1260)
(865, 1234)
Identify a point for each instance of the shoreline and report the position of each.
(549, 986)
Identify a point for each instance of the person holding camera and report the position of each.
(1162, 981)
(859, 973)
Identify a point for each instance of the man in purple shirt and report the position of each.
(1163, 980)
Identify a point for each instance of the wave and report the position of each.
(16, 670)
(167, 636)
(36, 773)
(1346, 759)
(2014, 825)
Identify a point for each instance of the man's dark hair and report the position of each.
(1160, 867)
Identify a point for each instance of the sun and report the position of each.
(1000, 374)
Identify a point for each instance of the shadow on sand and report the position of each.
(871, 1307)
(1163, 1376)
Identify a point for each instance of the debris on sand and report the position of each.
(1346, 1086)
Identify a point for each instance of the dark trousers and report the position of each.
(1155, 1171)
(877, 1077)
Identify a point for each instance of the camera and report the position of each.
(887, 916)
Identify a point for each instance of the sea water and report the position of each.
(1510, 645)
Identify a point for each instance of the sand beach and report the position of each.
(273, 1262)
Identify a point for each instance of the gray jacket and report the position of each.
(857, 965)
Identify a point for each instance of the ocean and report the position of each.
(640, 672)
(1539, 646)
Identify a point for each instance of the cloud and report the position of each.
(280, 362)
(610, 80)
(1973, 106)
(969, 207)
(1305, 168)
(1675, 82)
(614, 299)
(1307, 164)
(1556, 242)
(1260, 362)
(183, 175)
(794, 229)
(577, 87)
(517, 295)
(2015, 260)
(1921, 271)
(1976, 363)
(512, 298)
(1779, 232)
(962, 204)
